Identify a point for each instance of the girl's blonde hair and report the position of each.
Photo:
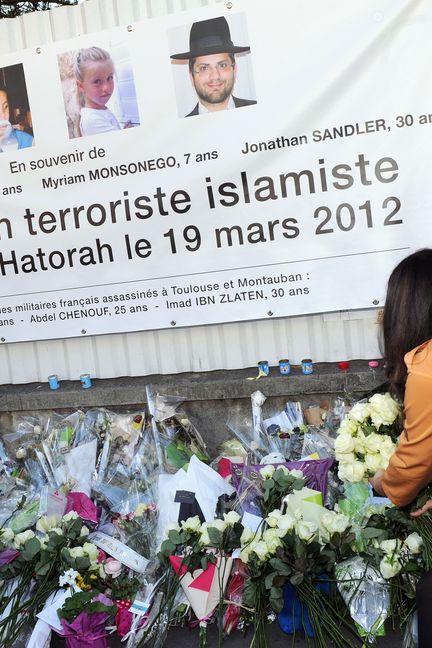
(89, 55)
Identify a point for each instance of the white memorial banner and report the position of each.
(215, 165)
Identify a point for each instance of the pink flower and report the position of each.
(101, 556)
(113, 567)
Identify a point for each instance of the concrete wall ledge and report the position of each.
(209, 386)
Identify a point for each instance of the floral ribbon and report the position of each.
(204, 621)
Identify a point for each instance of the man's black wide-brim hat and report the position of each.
(210, 37)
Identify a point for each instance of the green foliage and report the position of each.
(216, 536)
(124, 587)
(280, 566)
(82, 602)
(80, 564)
(276, 598)
(44, 564)
(72, 529)
(175, 537)
(30, 550)
(55, 541)
(16, 8)
(276, 488)
(250, 593)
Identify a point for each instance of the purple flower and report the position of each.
(7, 556)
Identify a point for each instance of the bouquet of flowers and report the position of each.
(380, 581)
(84, 616)
(367, 437)
(31, 564)
(261, 488)
(178, 439)
(137, 529)
(290, 563)
(200, 553)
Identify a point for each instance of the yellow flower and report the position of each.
(81, 583)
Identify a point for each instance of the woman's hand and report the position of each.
(375, 482)
(422, 510)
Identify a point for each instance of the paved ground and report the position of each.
(277, 639)
(184, 638)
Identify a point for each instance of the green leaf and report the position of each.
(276, 592)
(175, 456)
(42, 569)
(280, 567)
(250, 593)
(82, 601)
(412, 567)
(73, 528)
(279, 580)
(299, 547)
(269, 580)
(30, 550)
(167, 548)
(276, 599)
(233, 535)
(370, 532)
(55, 541)
(336, 539)
(297, 578)
(215, 536)
(281, 479)
(175, 537)
(298, 483)
(82, 563)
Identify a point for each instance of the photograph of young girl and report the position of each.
(98, 90)
(16, 128)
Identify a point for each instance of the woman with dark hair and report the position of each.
(407, 332)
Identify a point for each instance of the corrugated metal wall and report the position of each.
(324, 338)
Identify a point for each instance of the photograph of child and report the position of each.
(16, 129)
(98, 91)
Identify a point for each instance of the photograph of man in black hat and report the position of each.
(212, 66)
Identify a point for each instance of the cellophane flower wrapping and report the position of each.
(21, 449)
(122, 437)
(204, 587)
(131, 498)
(248, 480)
(177, 437)
(234, 597)
(87, 630)
(57, 442)
(366, 594)
(259, 436)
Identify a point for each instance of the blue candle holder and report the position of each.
(86, 382)
(284, 367)
(263, 366)
(53, 381)
(307, 366)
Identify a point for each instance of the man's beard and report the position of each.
(215, 97)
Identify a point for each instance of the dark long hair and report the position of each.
(407, 320)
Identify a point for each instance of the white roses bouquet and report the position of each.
(397, 553)
(367, 437)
